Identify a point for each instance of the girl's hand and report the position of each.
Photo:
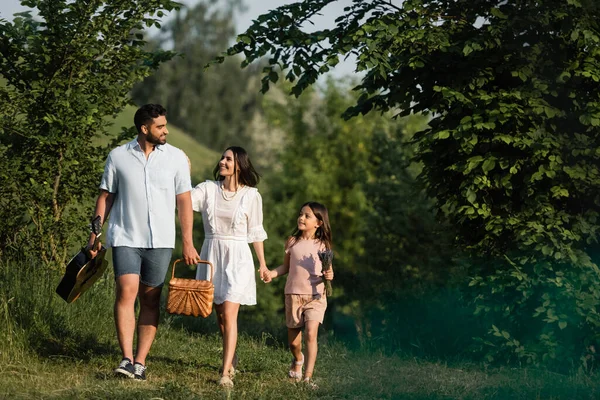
(328, 275)
(269, 275)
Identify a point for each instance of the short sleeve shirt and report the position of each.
(306, 271)
(143, 211)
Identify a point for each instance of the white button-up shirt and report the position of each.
(143, 211)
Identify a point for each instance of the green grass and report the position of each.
(52, 350)
(202, 158)
(184, 365)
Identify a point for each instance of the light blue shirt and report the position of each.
(143, 211)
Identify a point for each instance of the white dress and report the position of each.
(229, 227)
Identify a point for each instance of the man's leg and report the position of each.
(147, 320)
(127, 289)
(155, 263)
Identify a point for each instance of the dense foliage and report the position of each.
(63, 73)
(386, 242)
(512, 149)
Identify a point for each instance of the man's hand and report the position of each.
(93, 252)
(190, 255)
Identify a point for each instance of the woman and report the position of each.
(232, 216)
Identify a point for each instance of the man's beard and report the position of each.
(155, 140)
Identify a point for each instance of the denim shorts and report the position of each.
(150, 264)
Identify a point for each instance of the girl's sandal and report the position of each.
(297, 376)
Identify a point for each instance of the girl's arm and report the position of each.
(281, 270)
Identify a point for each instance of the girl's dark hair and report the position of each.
(248, 175)
(323, 232)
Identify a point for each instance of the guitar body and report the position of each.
(81, 273)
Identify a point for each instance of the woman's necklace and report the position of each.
(227, 197)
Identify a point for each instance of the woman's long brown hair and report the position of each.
(248, 175)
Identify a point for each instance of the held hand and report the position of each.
(190, 255)
(328, 275)
(265, 274)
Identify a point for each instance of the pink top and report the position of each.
(305, 275)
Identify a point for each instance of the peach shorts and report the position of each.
(300, 308)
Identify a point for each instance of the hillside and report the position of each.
(202, 158)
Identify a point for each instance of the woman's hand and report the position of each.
(265, 274)
(328, 275)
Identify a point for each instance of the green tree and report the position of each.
(63, 74)
(340, 163)
(511, 152)
(215, 106)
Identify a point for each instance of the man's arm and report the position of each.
(103, 205)
(186, 220)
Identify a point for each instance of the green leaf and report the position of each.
(488, 165)
(562, 325)
(497, 13)
(443, 134)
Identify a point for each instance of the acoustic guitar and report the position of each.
(83, 270)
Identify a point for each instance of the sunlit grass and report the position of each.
(54, 350)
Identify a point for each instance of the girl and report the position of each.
(305, 300)
(232, 216)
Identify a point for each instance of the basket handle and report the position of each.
(212, 269)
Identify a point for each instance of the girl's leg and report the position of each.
(312, 331)
(227, 314)
(295, 343)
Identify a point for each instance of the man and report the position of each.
(144, 180)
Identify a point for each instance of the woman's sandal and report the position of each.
(297, 376)
(233, 370)
(310, 383)
(227, 380)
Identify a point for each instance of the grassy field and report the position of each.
(52, 350)
(184, 366)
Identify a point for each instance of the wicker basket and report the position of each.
(191, 296)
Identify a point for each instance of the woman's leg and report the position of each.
(312, 331)
(295, 343)
(227, 314)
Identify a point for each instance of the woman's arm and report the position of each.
(259, 249)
